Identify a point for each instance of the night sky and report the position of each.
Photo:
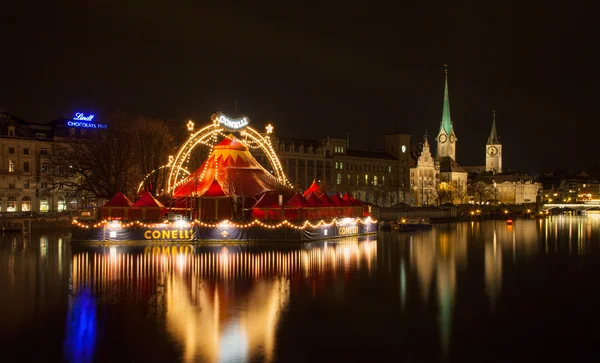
(318, 70)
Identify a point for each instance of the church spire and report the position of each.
(493, 139)
(446, 124)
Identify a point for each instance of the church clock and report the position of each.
(492, 151)
(451, 138)
(442, 138)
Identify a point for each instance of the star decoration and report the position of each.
(269, 129)
(190, 125)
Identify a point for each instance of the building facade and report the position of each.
(424, 177)
(493, 151)
(378, 177)
(28, 181)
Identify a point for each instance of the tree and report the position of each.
(481, 190)
(152, 143)
(445, 193)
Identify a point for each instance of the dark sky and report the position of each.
(316, 70)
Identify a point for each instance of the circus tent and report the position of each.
(116, 208)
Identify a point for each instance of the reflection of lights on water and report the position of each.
(81, 329)
(44, 246)
(233, 345)
(113, 252)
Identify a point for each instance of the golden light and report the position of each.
(190, 125)
(506, 211)
(478, 211)
(472, 213)
(269, 129)
(528, 211)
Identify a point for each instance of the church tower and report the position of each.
(493, 151)
(446, 139)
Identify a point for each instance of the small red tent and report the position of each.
(357, 205)
(314, 188)
(215, 204)
(147, 208)
(268, 207)
(116, 208)
(343, 207)
(295, 208)
(319, 208)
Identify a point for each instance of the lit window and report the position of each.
(44, 205)
(389, 169)
(62, 204)
(349, 179)
(26, 204)
(375, 180)
(366, 179)
(11, 205)
(342, 149)
(357, 179)
(342, 166)
(11, 166)
(339, 179)
(40, 135)
(336, 164)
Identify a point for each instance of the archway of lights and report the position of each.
(210, 135)
(183, 174)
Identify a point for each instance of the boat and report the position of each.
(509, 222)
(412, 224)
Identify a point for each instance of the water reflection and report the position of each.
(220, 303)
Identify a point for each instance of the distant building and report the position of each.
(378, 177)
(493, 151)
(510, 188)
(450, 171)
(424, 176)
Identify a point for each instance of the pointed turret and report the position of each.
(493, 139)
(446, 124)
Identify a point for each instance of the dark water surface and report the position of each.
(481, 292)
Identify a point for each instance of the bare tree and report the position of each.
(445, 193)
(480, 190)
(152, 143)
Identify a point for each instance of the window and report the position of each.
(375, 180)
(45, 168)
(342, 149)
(383, 180)
(11, 149)
(339, 179)
(336, 165)
(366, 179)
(11, 166)
(43, 185)
(44, 151)
(357, 179)
(342, 166)
(26, 204)
(389, 169)
(40, 135)
(25, 151)
(11, 131)
(44, 205)
(26, 166)
(349, 179)
(62, 204)
(26, 185)
(11, 205)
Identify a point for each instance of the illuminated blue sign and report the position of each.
(85, 121)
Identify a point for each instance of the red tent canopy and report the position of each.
(214, 190)
(314, 188)
(315, 201)
(147, 200)
(297, 201)
(268, 200)
(327, 200)
(352, 201)
(338, 200)
(119, 200)
(233, 168)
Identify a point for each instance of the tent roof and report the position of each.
(315, 201)
(148, 200)
(314, 188)
(297, 201)
(352, 201)
(119, 200)
(327, 200)
(340, 201)
(268, 200)
(233, 168)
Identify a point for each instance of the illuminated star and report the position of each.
(224, 233)
(269, 129)
(190, 125)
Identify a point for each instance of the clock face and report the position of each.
(403, 148)
(451, 138)
(442, 138)
(492, 151)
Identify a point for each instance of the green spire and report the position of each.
(446, 124)
(493, 139)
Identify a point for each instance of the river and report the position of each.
(474, 291)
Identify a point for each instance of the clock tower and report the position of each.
(446, 139)
(493, 151)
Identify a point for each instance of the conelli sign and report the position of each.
(85, 121)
